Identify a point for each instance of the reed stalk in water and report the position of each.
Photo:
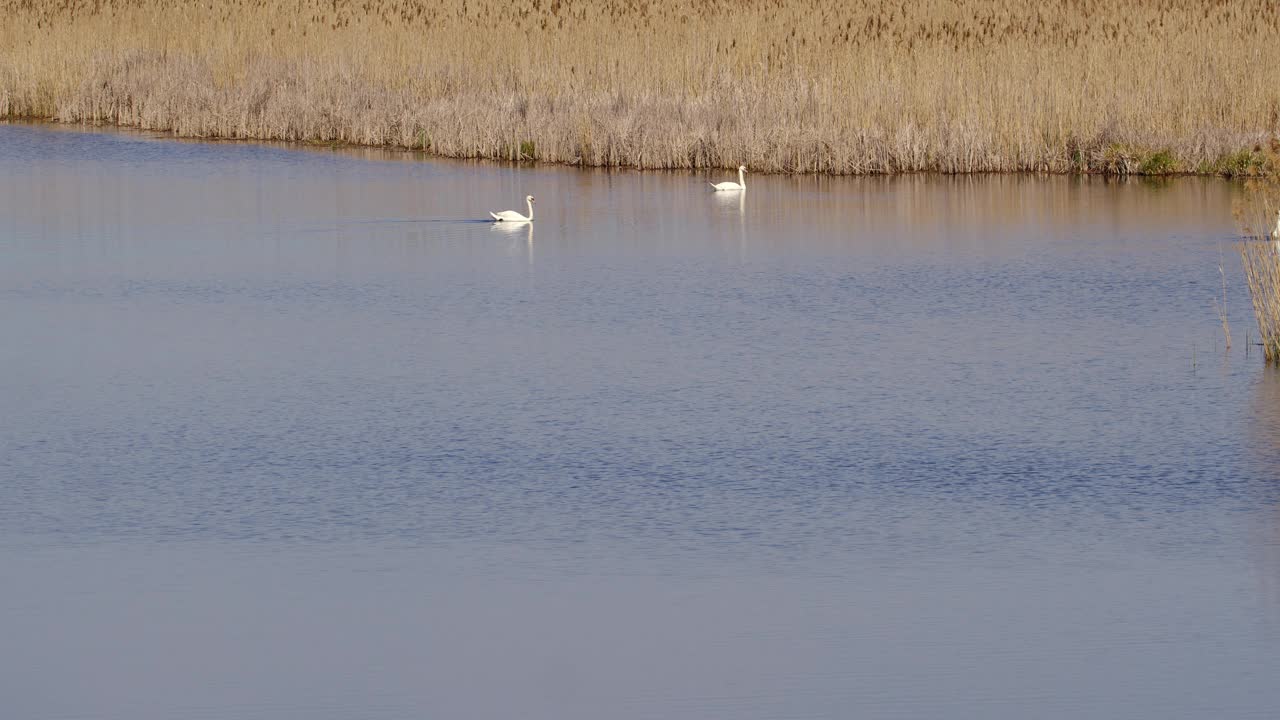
(1221, 307)
(840, 86)
(1258, 213)
(1262, 273)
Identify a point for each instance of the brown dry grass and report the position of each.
(837, 86)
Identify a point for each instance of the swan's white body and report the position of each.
(730, 185)
(512, 216)
(1275, 234)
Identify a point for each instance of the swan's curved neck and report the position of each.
(530, 204)
(742, 179)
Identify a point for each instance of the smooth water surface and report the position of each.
(293, 434)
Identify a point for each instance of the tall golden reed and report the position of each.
(841, 86)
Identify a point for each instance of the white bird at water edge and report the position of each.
(1275, 234)
(512, 215)
(730, 185)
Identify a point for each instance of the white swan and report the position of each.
(512, 215)
(730, 185)
(1275, 234)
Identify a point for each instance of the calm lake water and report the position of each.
(292, 434)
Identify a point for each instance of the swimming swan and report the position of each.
(512, 215)
(1275, 234)
(730, 185)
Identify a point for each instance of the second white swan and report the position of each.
(512, 215)
(730, 185)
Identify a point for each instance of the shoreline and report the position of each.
(169, 134)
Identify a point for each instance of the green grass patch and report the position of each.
(1244, 163)
(1160, 162)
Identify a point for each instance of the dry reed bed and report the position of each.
(840, 86)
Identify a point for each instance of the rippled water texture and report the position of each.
(292, 434)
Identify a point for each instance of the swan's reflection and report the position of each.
(728, 202)
(519, 232)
